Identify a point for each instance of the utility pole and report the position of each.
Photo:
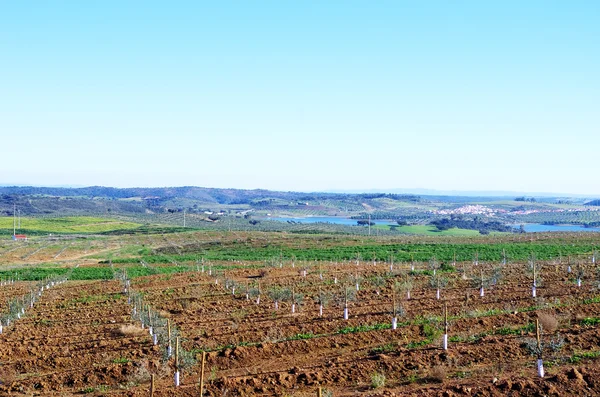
(14, 219)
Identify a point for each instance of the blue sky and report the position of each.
(302, 95)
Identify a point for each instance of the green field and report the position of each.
(88, 273)
(67, 225)
(166, 249)
(421, 248)
(430, 230)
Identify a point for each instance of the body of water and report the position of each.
(529, 227)
(537, 227)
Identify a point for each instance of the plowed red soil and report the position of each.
(80, 337)
(253, 351)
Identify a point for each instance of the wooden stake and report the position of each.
(177, 353)
(169, 332)
(202, 374)
(345, 297)
(152, 385)
(481, 285)
(393, 302)
(537, 336)
(319, 392)
(446, 317)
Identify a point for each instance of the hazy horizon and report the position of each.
(308, 96)
(416, 191)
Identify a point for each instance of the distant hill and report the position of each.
(471, 193)
(221, 196)
(210, 204)
(94, 199)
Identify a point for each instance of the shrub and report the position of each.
(377, 380)
(557, 343)
(187, 358)
(548, 322)
(327, 393)
(438, 373)
(531, 345)
(430, 331)
(141, 373)
(591, 321)
(446, 267)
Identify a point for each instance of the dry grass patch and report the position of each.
(548, 322)
(130, 330)
(438, 373)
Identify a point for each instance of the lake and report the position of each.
(529, 227)
(537, 227)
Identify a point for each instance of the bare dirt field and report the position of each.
(278, 328)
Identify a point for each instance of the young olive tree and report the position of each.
(544, 343)
(486, 280)
(378, 282)
(254, 293)
(278, 294)
(446, 326)
(404, 287)
(535, 268)
(397, 309)
(296, 299)
(438, 282)
(356, 280)
(348, 295)
(231, 285)
(434, 265)
(579, 273)
(322, 299)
